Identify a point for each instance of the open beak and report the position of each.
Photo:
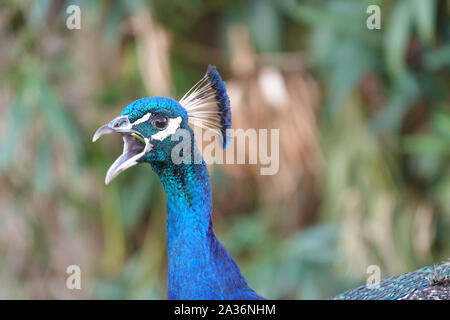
(135, 146)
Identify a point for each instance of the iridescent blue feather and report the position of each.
(199, 265)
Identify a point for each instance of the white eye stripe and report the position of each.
(144, 118)
(172, 127)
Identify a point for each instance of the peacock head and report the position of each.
(148, 125)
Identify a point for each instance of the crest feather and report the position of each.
(208, 106)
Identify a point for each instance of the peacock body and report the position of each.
(199, 265)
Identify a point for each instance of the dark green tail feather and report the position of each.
(398, 287)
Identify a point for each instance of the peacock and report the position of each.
(199, 266)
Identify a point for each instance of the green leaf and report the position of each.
(16, 120)
(135, 197)
(265, 25)
(58, 119)
(401, 93)
(396, 38)
(426, 145)
(441, 123)
(424, 16)
(438, 58)
(341, 79)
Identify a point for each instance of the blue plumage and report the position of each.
(199, 266)
(138, 108)
(223, 102)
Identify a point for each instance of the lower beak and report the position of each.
(135, 146)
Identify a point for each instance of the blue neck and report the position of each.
(199, 266)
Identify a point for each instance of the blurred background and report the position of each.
(364, 123)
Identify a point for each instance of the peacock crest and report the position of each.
(208, 106)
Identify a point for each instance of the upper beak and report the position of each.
(133, 149)
(119, 124)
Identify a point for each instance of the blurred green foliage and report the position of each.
(384, 129)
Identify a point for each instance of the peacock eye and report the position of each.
(160, 122)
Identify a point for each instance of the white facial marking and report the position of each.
(144, 118)
(172, 127)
